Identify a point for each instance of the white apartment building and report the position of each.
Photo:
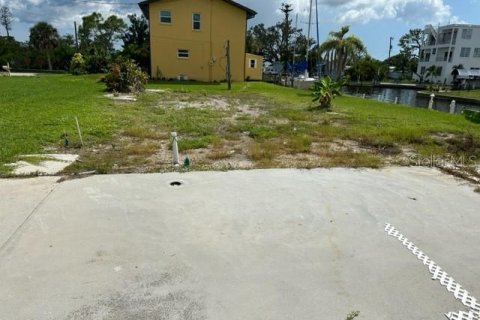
(448, 46)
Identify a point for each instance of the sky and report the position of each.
(373, 21)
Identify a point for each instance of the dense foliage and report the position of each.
(125, 76)
(99, 40)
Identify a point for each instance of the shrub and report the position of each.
(77, 64)
(472, 115)
(125, 76)
(325, 90)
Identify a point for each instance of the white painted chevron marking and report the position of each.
(443, 277)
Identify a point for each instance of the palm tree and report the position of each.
(44, 37)
(433, 71)
(339, 51)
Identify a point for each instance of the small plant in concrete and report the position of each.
(352, 315)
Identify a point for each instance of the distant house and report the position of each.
(449, 46)
(188, 38)
(253, 67)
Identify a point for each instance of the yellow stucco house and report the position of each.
(188, 38)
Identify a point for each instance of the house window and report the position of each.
(465, 52)
(165, 16)
(467, 33)
(196, 19)
(253, 63)
(183, 53)
(434, 51)
(476, 53)
(422, 70)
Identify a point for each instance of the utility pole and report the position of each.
(286, 33)
(76, 34)
(228, 70)
(389, 52)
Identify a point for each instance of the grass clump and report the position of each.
(299, 143)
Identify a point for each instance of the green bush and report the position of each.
(325, 90)
(77, 64)
(472, 115)
(125, 76)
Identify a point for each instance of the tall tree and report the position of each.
(6, 19)
(64, 52)
(44, 37)
(340, 51)
(99, 34)
(410, 44)
(98, 37)
(136, 41)
(9, 50)
(265, 41)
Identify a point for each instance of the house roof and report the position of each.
(250, 13)
(466, 74)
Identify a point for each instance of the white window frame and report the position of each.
(467, 33)
(476, 53)
(169, 17)
(199, 21)
(254, 63)
(465, 52)
(183, 53)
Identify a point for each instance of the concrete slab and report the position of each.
(18, 199)
(52, 164)
(266, 244)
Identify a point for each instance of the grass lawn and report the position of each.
(256, 125)
(469, 94)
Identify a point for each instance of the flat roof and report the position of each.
(250, 13)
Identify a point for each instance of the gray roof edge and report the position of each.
(250, 13)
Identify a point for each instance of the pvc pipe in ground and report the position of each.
(430, 103)
(175, 148)
(453, 106)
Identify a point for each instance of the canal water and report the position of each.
(406, 96)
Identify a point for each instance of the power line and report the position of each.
(108, 2)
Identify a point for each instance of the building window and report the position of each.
(476, 53)
(467, 33)
(434, 51)
(196, 19)
(183, 53)
(465, 52)
(253, 63)
(165, 16)
(422, 70)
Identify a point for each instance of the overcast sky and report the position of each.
(374, 21)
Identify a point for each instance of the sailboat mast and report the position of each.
(318, 39)
(308, 35)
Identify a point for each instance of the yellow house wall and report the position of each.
(253, 73)
(220, 22)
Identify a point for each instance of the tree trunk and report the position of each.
(340, 57)
(49, 60)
